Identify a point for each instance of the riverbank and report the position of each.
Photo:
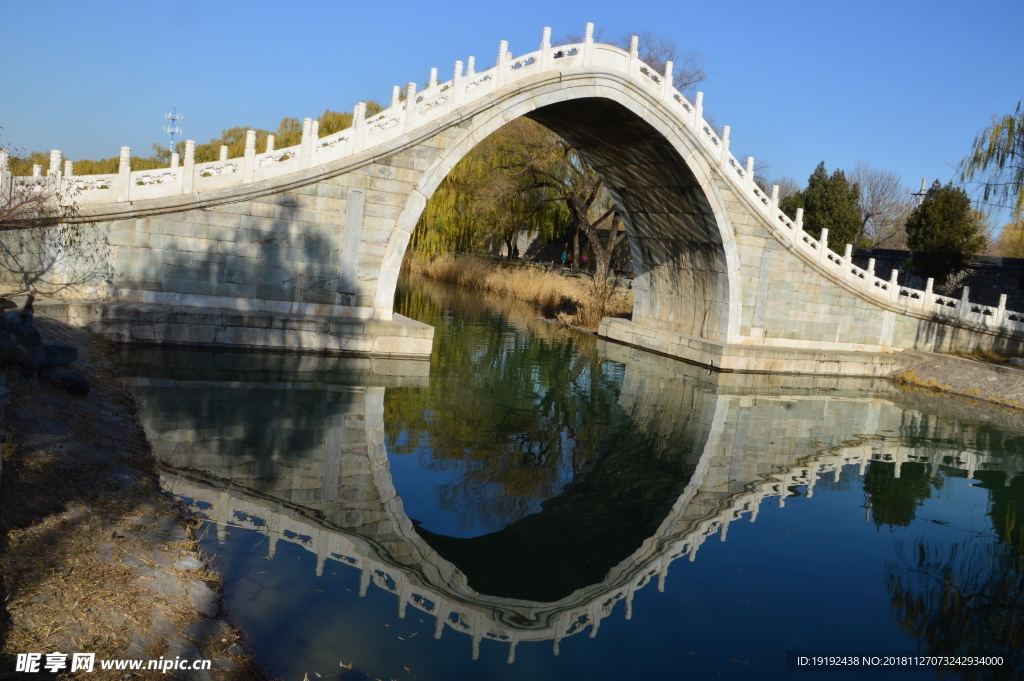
(94, 557)
(963, 376)
(570, 300)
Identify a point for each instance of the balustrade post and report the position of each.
(358, 126)
(799, 224)
(249, 162)
(847, 261)
(634, 57)
(823, 247)
(894, 286)
(588, 45)
(698, 113)
(306, 143)
(965, 303)
(55, 159)
(5, 178)
(188, 168)
(410, 106)
(1000, 311)
(545, 48)
(223, 152)
(773, 206)
(69, 167)
(666, 83)
(723, 159)
(433, 80)
(929, 297)
(124, 172)
(458, 87)
(270, 143)
(500, 66)
(471, 67)
(871, 274)
(37, 170)
(748, 178)
(175, 160)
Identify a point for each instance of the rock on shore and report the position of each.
(94, 557)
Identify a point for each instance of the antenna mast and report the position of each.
(173, 128)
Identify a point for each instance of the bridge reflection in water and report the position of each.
(294, 447)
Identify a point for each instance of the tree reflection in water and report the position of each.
(968, 597)
(894, 500)
(511, 419)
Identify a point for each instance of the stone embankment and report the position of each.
(94, 557)
(963, 376)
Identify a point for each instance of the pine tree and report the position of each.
(944, 233)
(829, 202)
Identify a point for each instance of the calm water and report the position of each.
(596, 511)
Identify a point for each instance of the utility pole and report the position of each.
(173, 128)
(921, 194)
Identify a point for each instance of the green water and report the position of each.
(533, 490)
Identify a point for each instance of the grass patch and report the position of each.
(990, 356)
(577, 302)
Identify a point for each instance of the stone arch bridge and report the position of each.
(301, 247)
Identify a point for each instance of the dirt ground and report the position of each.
(94, 557)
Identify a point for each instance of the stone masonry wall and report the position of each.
(315, 249)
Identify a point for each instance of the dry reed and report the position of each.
(578, 302)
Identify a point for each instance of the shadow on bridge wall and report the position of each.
(940, 337)
(57, 260)
(283, 248)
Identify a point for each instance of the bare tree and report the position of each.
(885, 204)
(787, 186)
(41, 247)
(32, 201)
(655, 50)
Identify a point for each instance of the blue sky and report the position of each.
(899, 85)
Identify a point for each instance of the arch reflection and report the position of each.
(295, 448)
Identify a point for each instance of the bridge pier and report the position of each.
(750, 358)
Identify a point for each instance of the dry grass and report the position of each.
(990, 356)
(77, 475)
(909, 378)
(577, 302)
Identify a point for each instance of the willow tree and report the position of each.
(997, 162)
(487, 197)
(1010, 243)
(552, 174)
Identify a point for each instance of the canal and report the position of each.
(535, 503)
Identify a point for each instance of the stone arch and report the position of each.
(681, 238)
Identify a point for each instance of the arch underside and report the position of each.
(681, 270)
